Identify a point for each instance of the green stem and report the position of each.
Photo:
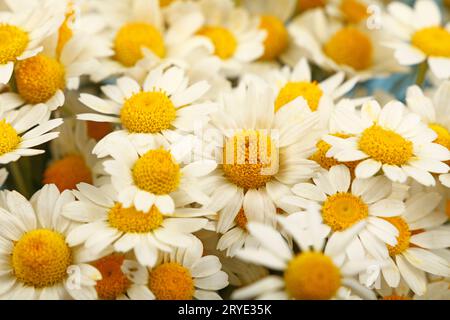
(421, 73)
(19, 181)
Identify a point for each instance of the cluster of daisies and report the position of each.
(219, 149)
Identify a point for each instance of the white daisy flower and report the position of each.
(334, 46)
(23, 129)
(262, 153)
(184, 274)
(435, 113)
(233, 34)
(345, 203)
(72, 159)
(108, 222)
(37, 262)
(23, 28)
(422, 38)
(3, 176)
(316, 273)
(166, 102)
(392, 139)
(436, 290)
(355, 11)
(120, 277)
(421, 244)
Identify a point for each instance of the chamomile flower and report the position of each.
(261, 152)
(315, 273)
(352, 11)
(73, 161)
(436, 290)
(435, 113)
(37, 261)
(392, 139)
(345, 203)
(108, 222)
(23, 129)
(166, 102)
(232, 32)
(184, 274)
(22, 30)
(422, 38)
(421, 239)
(334, 46)
(120, 277)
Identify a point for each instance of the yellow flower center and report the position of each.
(9, 139)
(148, 112)
(354, 11)
(13, 44)
(39, 77)
(403, 237)
(132, 37)
(443, 136)
(395, 297)
(98, 130)
(342, 210)
(320, 156)
(165, 3)
(225, 43)
(241, 219)
(250, 159)
(40, 258)
(310, 91)
(385, 146)
(277, 37)
(67, 172)
(114, 282)
(433, 41)
(130, 220)
(350, 47)
(171, 281)
(157, 172)
(312, 276)
(304, 5)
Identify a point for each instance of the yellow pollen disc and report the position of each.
(13, 44)
(312, 276)
(342, 210)
(148, 112)
(157, 172)
(443, 135)
(67, 172)
(114, 282)
(165, 3)
(98, 130)
(385, 146)
(354, 11)
(320, 156)
(132, 37)
(241, 219)
(225, 43)
(9, 139)
(350, 47)
(130, 220)
(171, 281)
(310, 91)
(40, 258)
(277, 37)
(39, 77)
(403, 237)
(304, 5)
(433, 41)
(394, 297)
(250, 159)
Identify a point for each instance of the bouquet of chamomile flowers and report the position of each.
(219, 149)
